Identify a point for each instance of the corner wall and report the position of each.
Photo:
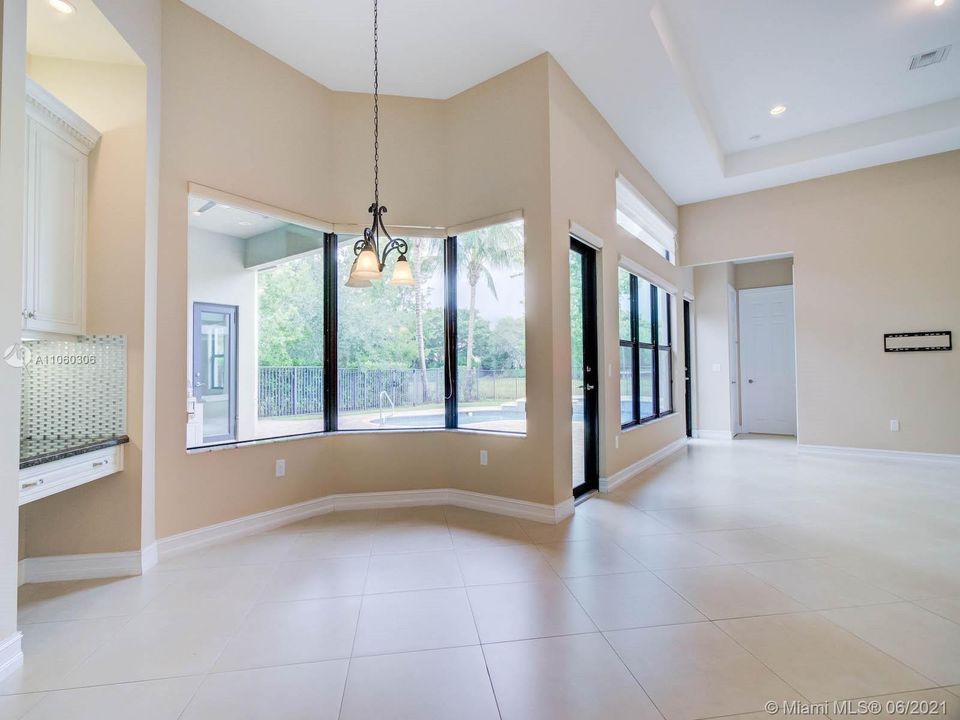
(875, 251)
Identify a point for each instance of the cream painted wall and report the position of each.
(13, 42)
(104, 516)
(585, 157)
(875, 251)
(713, 367)
(765, 273)
(216, 274)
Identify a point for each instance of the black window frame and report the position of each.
(654, 346)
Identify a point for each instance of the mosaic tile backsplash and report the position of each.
(74, 388)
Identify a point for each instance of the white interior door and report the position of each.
(768, 382)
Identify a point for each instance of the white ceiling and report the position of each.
(685, 83)
(228, 220)
(84, 35)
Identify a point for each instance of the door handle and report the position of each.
(750, 381)
(587, 387)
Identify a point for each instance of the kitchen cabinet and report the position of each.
(58, 145)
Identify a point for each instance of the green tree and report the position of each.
(479, 253)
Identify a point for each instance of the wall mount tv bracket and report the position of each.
(933, 341)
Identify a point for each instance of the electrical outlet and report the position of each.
(894, 425)
(616, 442)
(483, 457)
(281, 467)
(609, 369)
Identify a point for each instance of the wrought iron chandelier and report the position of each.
(370, 256)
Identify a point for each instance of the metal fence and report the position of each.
(292, 391)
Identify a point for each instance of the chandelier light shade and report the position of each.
(371, 254)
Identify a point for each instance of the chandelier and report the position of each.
(373, 249)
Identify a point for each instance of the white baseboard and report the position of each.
(271, 519)
(714, 435)
(11, 655)
(879, 454)
(609, 483)
(149, 556)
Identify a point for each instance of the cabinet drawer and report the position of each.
(50, 478)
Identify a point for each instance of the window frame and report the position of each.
(636, 345)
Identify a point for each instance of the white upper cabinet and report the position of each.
(55, 226)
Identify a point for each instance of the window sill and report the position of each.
(309, 436)
(647, 423)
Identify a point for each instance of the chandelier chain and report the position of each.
(376, 112)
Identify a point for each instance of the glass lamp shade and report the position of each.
(402, 275)
(366, 266)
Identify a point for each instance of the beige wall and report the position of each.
(585, 157)
(713, 364)
(874, 251)
(764, 273)
(113, 99)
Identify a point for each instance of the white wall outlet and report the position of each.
(483, 457)
(281, 467)
(616, 442)
(894, 425)
(609, 369)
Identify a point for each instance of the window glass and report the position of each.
(626, 385)
(646, 383)
(645, 314)
(623, 294)
(664, 382)
(390, 343)
(663, 318)
(491, 351)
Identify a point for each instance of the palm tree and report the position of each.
(479, 253)
(423, 261)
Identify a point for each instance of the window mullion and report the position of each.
(330, 368)
(655, 338)
(450, 331)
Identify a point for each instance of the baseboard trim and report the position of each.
(621, 476)
(271, 519)
(149, 556)
(879, 454)
(11, 655)
(714, 435)
(79, 567)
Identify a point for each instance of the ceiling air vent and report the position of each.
(931, 57)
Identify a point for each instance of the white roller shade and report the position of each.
(640, 213)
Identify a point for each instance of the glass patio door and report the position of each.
(215, 369)
(583, 364)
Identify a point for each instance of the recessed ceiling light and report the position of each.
(778, 110)
(62, 6)
(245, 223)
(938, 3)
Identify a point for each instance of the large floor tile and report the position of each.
(239, 586)
(318, 578)
(495, 565)
(588, 557)
(151, 700)
(293, 692)
(430, 685)
(52, 650)
(818, 585)
(746, 546)
(160, 645)
(471, 529)
(576, 527)
(292, 632)
(713, 517)
(329, 543)
(630, 600)
(928, 643)
(413, 571)
(662, 552)
(14, 707)
(696, 671)
(260, 549)
(89, 599)
(518, 611)
(419, 620)
(411, 537)
(564, 678)
(820, 659)
(948, 608)
(727, 592)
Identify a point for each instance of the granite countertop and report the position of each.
(36, 451)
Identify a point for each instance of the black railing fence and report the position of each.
(291, 391)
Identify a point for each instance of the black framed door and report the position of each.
(585, 422)
(687, 381)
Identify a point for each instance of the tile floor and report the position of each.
(728, 576)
